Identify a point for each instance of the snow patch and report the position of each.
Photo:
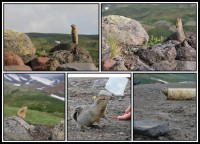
(5, 76)
(23, 78)
(43, 80)
(57, 97)
(17, 84)
(15, 77)
(41, 88)
(159, 80)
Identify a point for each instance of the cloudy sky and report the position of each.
(51, 18)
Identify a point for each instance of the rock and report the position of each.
(191, 38)
(165, 65)
(44, 64)
(16, 128)
(19, 43)
(185, 52)
(17, 68)
(151, 128)
(58, 132)
(9, 58)
(107, 64)
(131, 62)
(39, 64)
(158, 53)
(185, 66)
(52, 64)
(77, 67)
(63, 46)
(127, 31)
(64, 53)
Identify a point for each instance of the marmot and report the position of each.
(179, 33)
(86, 115)
(22, 112)
(74, 33)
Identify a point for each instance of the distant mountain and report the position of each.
(51, 83)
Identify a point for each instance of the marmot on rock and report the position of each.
(22, 112)
(179, 33)
(74, 33)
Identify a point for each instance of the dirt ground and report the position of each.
(150, 103)
(80, 92)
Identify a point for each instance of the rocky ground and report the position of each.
(80, 92)
(151, 103)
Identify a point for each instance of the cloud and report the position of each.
(51, 18)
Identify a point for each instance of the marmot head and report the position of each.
(73, 26)
(102, 101)
(178, 22)
(164, 91)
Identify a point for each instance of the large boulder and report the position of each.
(16, 128)
(10, 58)
(128, 32)
(19, 43)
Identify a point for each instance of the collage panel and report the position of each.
(33, 107)
(149, 36)
(165, 107)
(99, 107)
(51, 36)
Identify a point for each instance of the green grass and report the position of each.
(113, 43)
(42, 109)
(170, 78)
(34, 117)
(46, 41)
(148, 14)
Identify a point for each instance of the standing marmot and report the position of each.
(74, 33)
(179, 33)
(22, 112)
(86, 115)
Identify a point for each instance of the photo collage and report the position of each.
(99, 72)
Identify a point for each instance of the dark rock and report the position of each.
(164, 65)
(191, 38)
(185, 52)
(152, 128)
(64, 53)
(10, 58)
(158, 53)
(77, 67)
(17, 68)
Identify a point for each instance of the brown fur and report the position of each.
(86, 115)
(74, 34)
(179, 34)
(22, 112)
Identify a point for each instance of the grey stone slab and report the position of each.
(152, 128)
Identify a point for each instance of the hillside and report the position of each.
(42, 109)
(46, 41)
(164, 78)
(157, 19)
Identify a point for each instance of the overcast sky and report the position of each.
(51, 18)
